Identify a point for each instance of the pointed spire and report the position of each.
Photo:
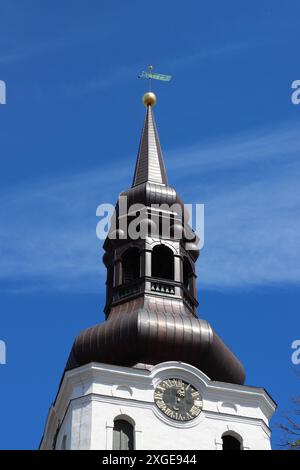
(150, 164)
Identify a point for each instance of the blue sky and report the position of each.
(69, 135)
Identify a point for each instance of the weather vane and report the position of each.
(156, 76)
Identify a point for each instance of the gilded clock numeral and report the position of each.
(195, 411)
(161, 404)
(158, 396)
(169, 412)
(161, 387)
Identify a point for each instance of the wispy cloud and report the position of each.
(252, 233)
(48, 231)
(20, 51)
(263, 145)
(99, 82)
(249, 184)
(205, 52)
(33, 50)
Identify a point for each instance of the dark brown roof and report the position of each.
(153, 330)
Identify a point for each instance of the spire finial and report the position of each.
(150, 69)
(149, 99)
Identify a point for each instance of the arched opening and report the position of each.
(64, 443)
(188, 275)
(110, 276)
(123, 435)
(131, 265)
(163, 262)
(231, 443)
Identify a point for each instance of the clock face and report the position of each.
(178, 400)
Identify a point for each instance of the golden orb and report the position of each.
(149, 98)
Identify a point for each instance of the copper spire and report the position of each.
(151, 300)
(149, 165)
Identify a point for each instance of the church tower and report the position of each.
(153, 375)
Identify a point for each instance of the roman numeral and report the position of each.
(195, 411)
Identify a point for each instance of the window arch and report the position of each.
(123, 435)
(130, 265)
(163, 262)
(188, 275)
(230, 442)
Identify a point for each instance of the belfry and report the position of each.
(153, 375)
